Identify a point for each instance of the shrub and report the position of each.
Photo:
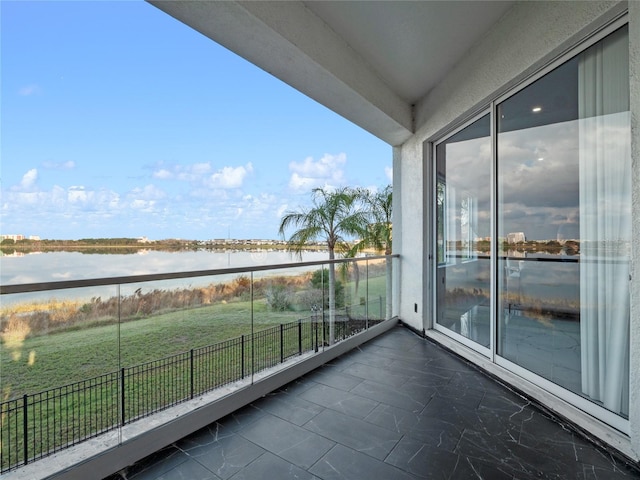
(241, 286)
(278, 297)
(312, 297)
(319, 279)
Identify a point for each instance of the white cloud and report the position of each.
(298, 182)
(145, 199)
(68, 165)
(209, 203)
(27, 182)
(185, 173)
(230, 177)
(281, 209)
(58, 196)
(388, 171)
(328, 171)
(143, 205)
(30, 198)
(29, 90)
(192, 173)
(163, 174)
(200, 174)
(200, 168)
(29, 179)
(148, 192)
(78, 194)
(208, 194)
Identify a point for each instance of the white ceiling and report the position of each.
(369, 61)
(411, 44)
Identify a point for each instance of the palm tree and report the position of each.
(332, 218)
(378, 232)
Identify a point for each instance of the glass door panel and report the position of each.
(564, 225)
(463, 224)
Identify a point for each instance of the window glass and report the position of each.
(564, 224)
(463, 206)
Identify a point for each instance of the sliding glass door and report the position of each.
(463, 229)
(560, 164)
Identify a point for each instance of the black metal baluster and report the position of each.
(242, 361)
(122, 411)
(25, 425)
(192, 377)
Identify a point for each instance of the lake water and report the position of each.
(58, 266)
(62, 266)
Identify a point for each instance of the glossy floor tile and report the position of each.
(398, 407)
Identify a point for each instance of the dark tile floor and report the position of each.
(399, 407)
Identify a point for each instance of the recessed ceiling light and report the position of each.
(536, 109)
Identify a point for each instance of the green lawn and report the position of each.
(46, 361)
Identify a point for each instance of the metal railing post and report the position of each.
(25, 426)
(366, 303)
(281, 343)
(253, 335)
(191, 371)
(299, 337)
(122, 411)
(253, 354)
(242, 353)
(314, 319)
(324, 334)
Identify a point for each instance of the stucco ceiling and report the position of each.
(369, 61)
(410, 44)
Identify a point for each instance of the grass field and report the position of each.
(89, 343)
(47, 361)
(34, 362)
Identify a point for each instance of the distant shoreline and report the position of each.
(129, 245)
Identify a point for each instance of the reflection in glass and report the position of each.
(564, 225)
(463, 166)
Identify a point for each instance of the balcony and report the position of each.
(100, 367)
(398, 407)
(380, 402)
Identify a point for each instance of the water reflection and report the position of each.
(463, 211)
(59, 266)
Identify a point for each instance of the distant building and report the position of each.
(516, 237)
(15, 238)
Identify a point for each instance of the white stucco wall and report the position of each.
(527, 38)
(410, 243)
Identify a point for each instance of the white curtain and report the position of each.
(605, 220)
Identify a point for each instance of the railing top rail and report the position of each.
(96, 282)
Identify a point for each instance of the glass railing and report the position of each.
(83, 358)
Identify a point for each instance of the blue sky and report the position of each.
(117, 120)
